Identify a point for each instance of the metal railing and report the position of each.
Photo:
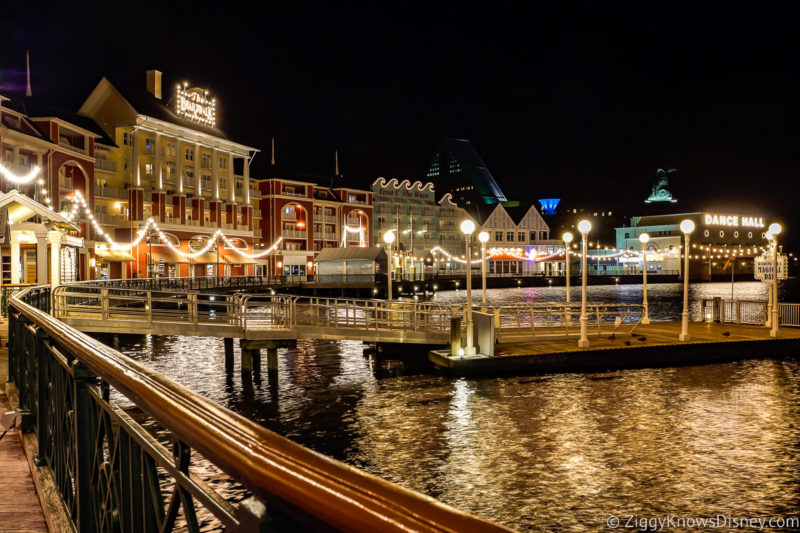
(735, 311)
(112, 473)
(7, 291)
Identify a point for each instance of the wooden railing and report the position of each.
(113, 474)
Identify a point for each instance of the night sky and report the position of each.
(583, 104)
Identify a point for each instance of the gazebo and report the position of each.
(47, 228)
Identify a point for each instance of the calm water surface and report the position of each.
(537, 453)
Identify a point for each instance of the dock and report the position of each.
(653, 345)
(20, 509)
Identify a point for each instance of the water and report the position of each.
(537, 453)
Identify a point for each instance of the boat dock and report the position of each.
(650, 345)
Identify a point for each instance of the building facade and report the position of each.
(168, 163)
(303, 218)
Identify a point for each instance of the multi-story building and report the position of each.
(422, 225)
(167, 159)
(308, 217)
(63, 147)
(457, 169)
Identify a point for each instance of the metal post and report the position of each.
(483, 270)
(583, 342)
(389, 274)
(566, 261)
(774, 332)
(684, 336)
(646, 317)
(469, 349)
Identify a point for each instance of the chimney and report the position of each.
(154, 83)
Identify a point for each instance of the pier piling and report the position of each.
(228, 355)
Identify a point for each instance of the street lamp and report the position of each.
(484, 238)
(687, 227)
(584, 226)
(467, 228)
(774, 230)
(388, 238)
(644, 238)
(567, 238)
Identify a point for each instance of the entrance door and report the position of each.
(29, 272)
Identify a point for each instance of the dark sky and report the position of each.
(579, 103)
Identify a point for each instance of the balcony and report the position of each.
(108, 219)
(105, 164)
(294, 194)
(65, 144)
(256, 213)
(329, 218)
(288, 216)
(110, 192)
(318, 236)
(293, 233)
(356, 201)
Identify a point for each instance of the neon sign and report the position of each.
(195, 106)
(733, 221)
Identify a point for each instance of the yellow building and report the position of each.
(170, 162)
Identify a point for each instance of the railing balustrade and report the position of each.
(112, 473)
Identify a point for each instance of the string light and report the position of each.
(20, 180)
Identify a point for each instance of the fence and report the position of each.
(112, 474)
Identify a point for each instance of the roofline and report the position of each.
(69, 124)
(148, 118)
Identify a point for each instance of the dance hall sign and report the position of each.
(733, 221)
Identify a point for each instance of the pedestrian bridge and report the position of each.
(97, 308)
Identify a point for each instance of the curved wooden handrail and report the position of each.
(264, 462)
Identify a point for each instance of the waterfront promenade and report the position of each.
(20, 509)
(650, 345)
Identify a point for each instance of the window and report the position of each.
(207, 182)
(498, 236)
(169, 151)
(206, 160)
(510, 236)
(149, 145)
(170, 175)
(189, 172)
(127, 138)
(239, 186)
(223, 162)
(189, 154)
(521, 236)
(223, 183)
(148, 169)
(533, 235)
(627, 235)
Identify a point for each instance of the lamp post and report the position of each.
(484, 238)
(687, 227)
(644, 238)
(567, 238)
(584, 226)
(388, 238)
(774, 230)
(467, 228)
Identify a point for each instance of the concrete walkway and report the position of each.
(20, 509)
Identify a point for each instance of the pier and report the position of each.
(650, 345)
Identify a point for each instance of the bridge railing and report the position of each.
(735, 311)
(112, 473)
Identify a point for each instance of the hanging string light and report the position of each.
(20, 180)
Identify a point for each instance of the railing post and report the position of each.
(42, 377)
(104, 303)
(85, 428)
(149, 306)
(193, 311)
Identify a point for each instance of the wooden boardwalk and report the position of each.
(656, 344)
(20, 509)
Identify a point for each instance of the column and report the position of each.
(15, 264)
(198, 170)
(231, 180)
(42, 176)
(179, 164)
(215, 214)
(159, 172)
(41, 258)
(198, 210)
(159, 199)
(54, 238)
(137, 175)
(135, 204)
(179, 207)
(246, 174)
(214, 173)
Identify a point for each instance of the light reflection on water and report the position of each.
(539, 453)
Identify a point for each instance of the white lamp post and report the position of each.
(584, 226)
(774, 229)
(644, 238)
(467, 228)
(687, 227)
(388, 238)
(484, 238)
(567, 238)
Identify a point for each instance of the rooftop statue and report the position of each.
(660, 192)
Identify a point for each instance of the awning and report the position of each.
(206, 258)
(110, 256)
(169, 256)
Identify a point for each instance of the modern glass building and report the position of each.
(459, 170)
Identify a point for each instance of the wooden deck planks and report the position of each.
(20, 509)
(656, 334)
